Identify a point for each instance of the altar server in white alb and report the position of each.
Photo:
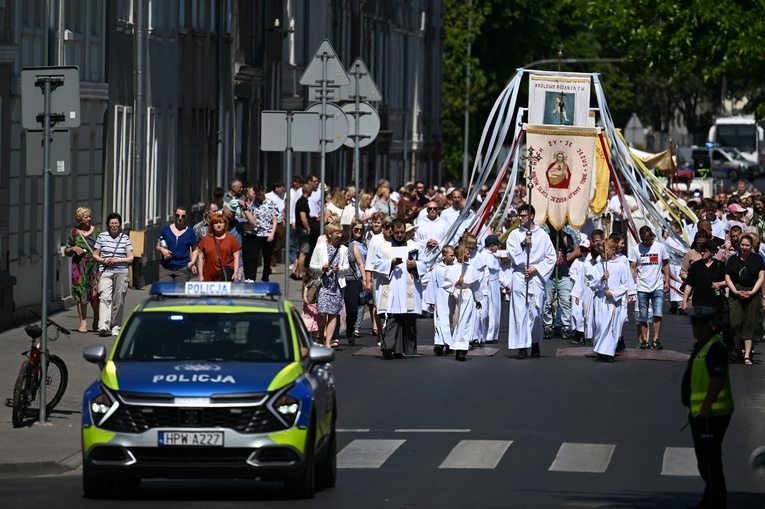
(399, 292)
(609, 281)
(533, 258)
(487, 264)
(577, 280)
(462, 281)
(437, 298)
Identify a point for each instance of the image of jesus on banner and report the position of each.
(562, 176)
(558, 174)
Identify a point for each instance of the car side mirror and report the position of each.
(97, 355)
(321, 355)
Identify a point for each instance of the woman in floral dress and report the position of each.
(79, 245)
(331, 260)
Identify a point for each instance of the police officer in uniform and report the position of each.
(707, 394)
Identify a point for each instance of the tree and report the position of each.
(458, 16)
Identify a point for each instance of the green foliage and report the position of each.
(457, 13)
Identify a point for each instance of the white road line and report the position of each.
(476, 454)
(433, 430)
(679, 461)
(582, 458)
(367, 453)
(353, 430)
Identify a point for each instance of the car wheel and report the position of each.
(96, 486)
(733, 175)
(303, 485)
(326, 469)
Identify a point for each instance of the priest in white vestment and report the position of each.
(533, 258)
(399, 291)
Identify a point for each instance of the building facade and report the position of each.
(208, 69)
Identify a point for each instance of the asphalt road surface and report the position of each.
(492, 432)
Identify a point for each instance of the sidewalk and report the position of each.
(54, 447)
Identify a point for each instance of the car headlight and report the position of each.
(288, 408)
(102, 406)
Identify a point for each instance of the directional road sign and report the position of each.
(60, 152)
(306, 131)
(64, 97)
(314, 73)
(369, 124)
(367, 87)
(337, 126)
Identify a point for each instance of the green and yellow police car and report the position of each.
(211, 380)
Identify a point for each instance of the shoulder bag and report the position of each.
(226, 273)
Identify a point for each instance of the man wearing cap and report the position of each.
(706, 391)
(575, 272)
(533, 258)
(558, 287)
(489, 294)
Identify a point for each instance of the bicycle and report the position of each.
(25, 402)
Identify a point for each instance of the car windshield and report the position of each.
(734, 154)
(171, 336)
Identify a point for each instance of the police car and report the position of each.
(211, 380)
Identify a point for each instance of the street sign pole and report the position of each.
(324, 58)
(357, 132)
(46, 83)
(287, 203)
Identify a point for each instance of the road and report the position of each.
(429, 432)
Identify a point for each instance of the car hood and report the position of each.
(201, 378)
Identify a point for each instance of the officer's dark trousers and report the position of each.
(708, 436)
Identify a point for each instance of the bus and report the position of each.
(741, 132)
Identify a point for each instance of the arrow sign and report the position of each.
(314, 73)
(368, 90)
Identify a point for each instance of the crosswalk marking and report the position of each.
(476, 454)
(679, 461)
(582, 458)
(367, 453)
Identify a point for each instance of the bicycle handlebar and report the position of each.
(57, 326)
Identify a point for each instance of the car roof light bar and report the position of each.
(214, 288)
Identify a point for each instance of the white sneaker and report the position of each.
(116, 330)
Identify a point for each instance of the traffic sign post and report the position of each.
(324, 69)
(59, 110)
(363, 88)
(278, 134)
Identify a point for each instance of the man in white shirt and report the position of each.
(431, 230)
(295, 192)
(649, 262)
(276, 195)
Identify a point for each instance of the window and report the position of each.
(121, 182)
(125, 11)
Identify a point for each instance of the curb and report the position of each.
(38, 468)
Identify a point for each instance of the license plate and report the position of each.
(194, 439)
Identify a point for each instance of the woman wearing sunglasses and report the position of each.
(177, 243)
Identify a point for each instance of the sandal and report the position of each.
(334, 344)
(351, 341)
(83, 331)
(373, 333)
(747, 361)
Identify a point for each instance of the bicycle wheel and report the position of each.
(57, 378)
(21, 394)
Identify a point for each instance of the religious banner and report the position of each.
(561, 173)
(559, 98)
(601, 181)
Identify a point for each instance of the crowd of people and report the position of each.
(389, 255)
